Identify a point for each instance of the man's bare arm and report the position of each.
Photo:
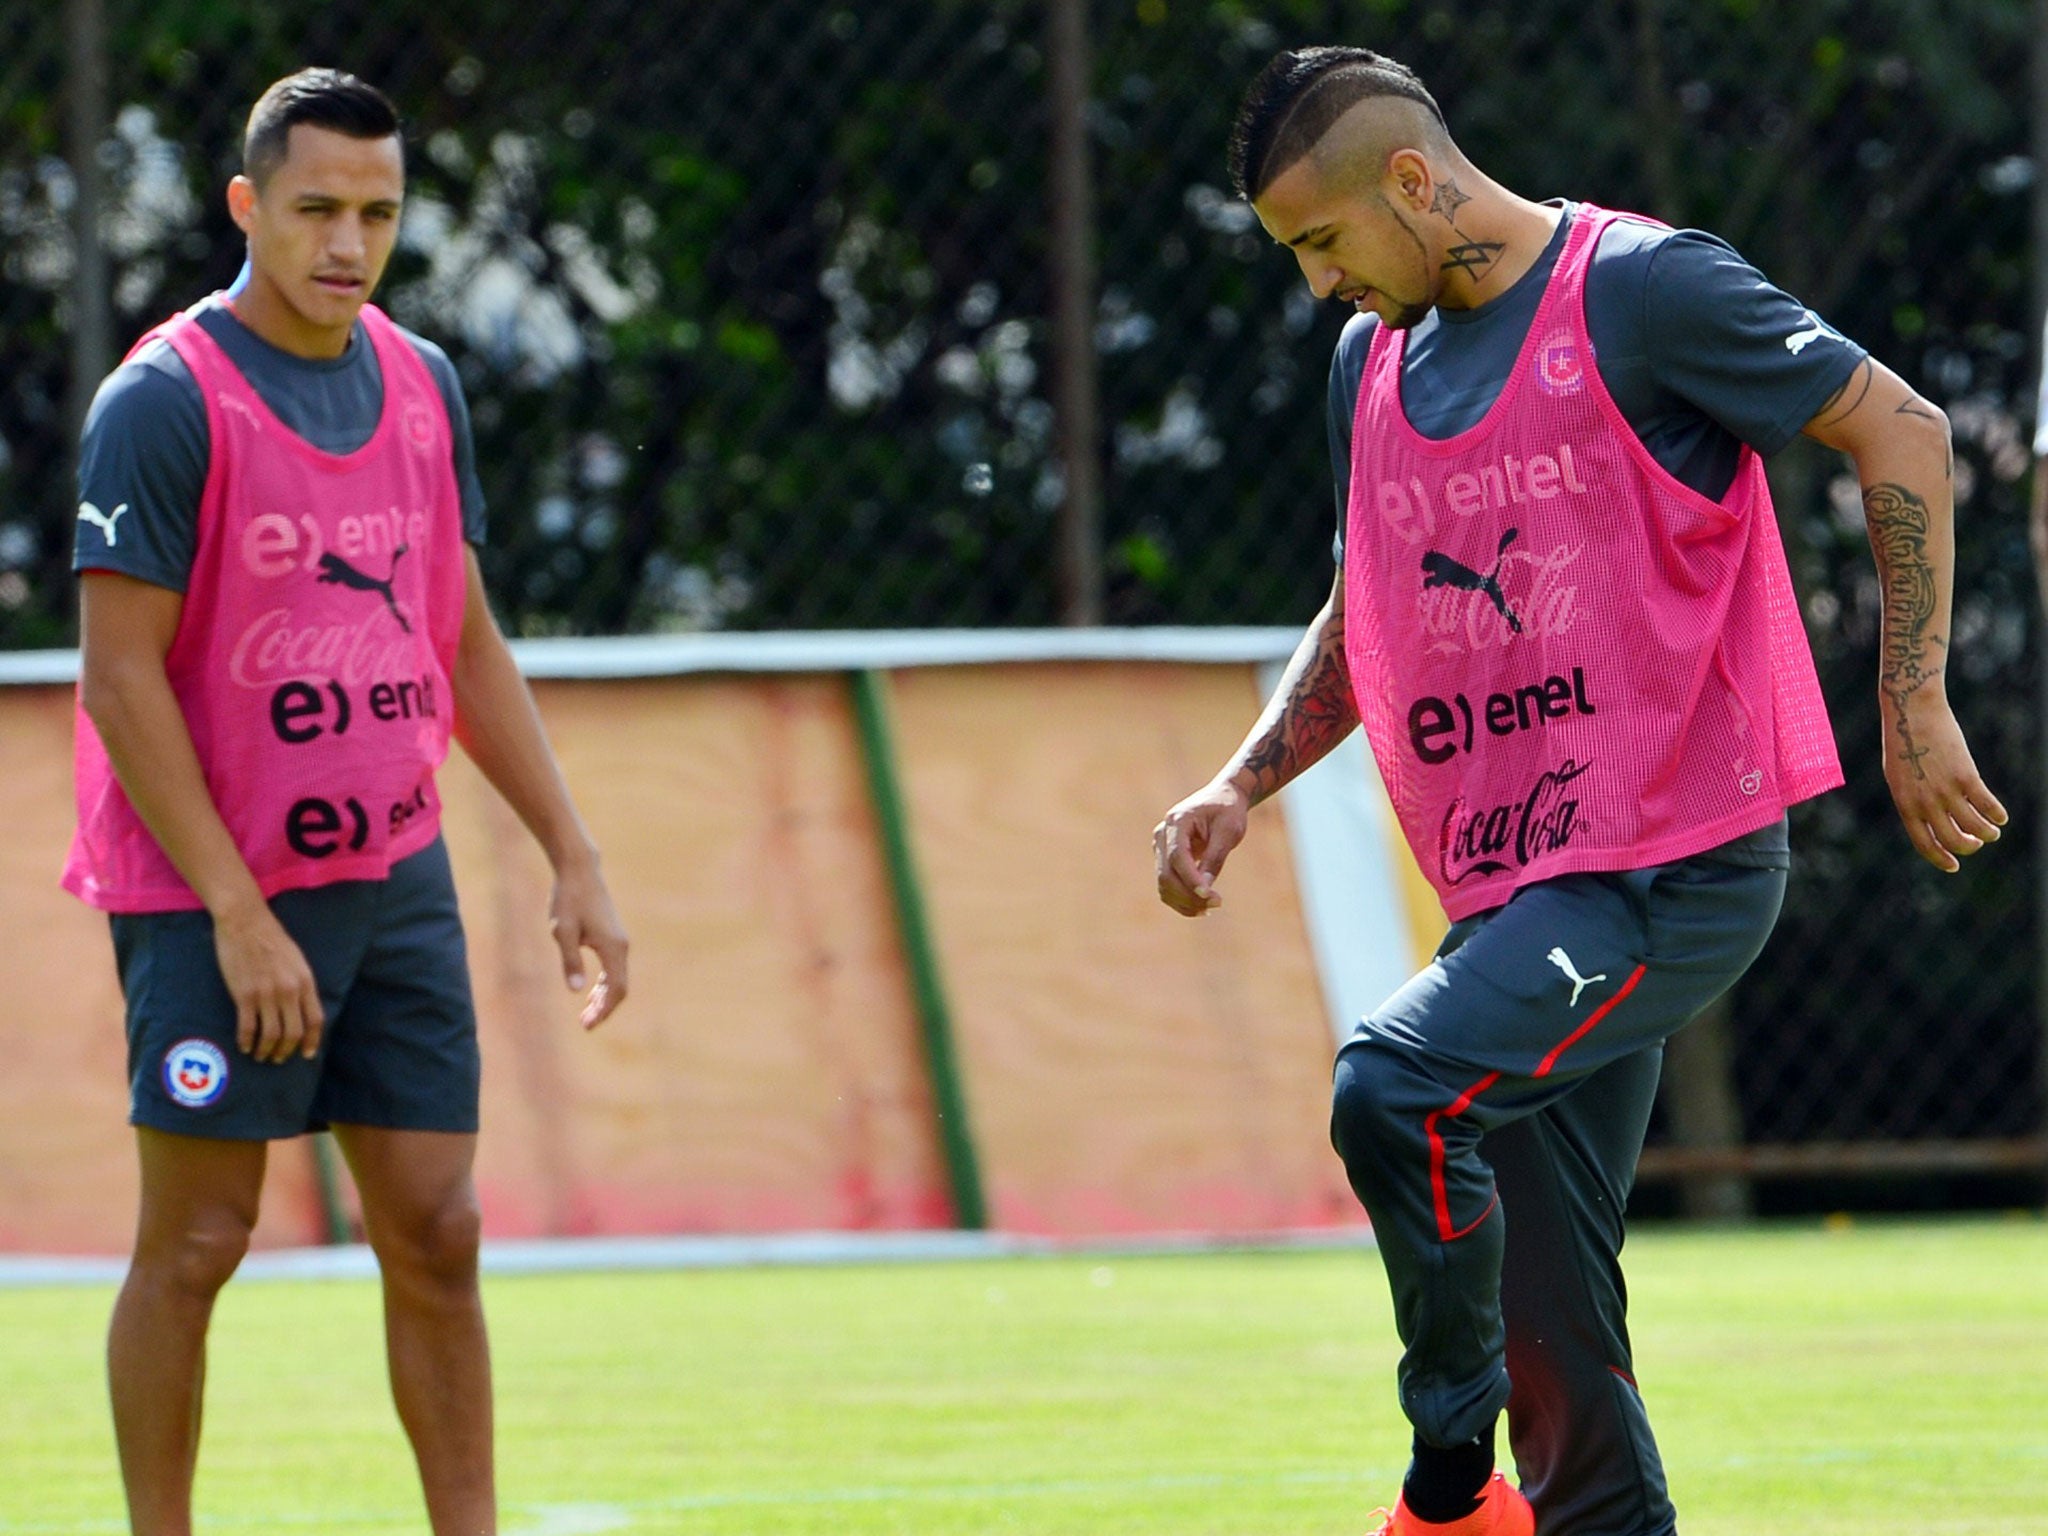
(1904, 461)
(1310, 712)
(125, 629)
(498, 725)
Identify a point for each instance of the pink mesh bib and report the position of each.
(1566, 660)
(313, 656)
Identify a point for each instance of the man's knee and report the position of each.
(196, 1255)
(1373, 1112)
(437, 1243)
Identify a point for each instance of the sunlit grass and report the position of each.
(1803, 1380)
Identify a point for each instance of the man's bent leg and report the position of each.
(1521, 1008)
(420, 1209)
(1443, 1264)
(199, 1203)
(1581, 1438)
(1491, 1032)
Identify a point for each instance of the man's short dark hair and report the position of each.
(1298, 97)
(325, 98)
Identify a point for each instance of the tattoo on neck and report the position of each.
(1448, 201)
(1474, 257)
(1911, 656)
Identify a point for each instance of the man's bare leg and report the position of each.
(420, 1209)
(199, 1202)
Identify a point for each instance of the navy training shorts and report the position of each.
(399, 1050)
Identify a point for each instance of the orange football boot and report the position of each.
(1502, 1511)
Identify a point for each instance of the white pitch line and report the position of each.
(571, 1520)
(743, 1251)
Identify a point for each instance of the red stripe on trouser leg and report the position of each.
(1572, 1039)
(1444, 1230)
(1439, 1185)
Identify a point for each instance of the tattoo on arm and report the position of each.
(1911, 658)
(1848, 397)
(1474, 256)
(1319, 712)
(1448, 201)
(1920, 411)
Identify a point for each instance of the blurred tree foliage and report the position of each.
(750, 306)
(750, 301)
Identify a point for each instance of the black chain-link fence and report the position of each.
(753, 303)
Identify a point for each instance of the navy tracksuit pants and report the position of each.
(1489, 1115)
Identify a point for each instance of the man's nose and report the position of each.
(1322, 276)
(345, 237)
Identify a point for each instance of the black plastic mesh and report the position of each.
(751, 303)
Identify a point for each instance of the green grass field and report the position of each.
(1804, 1380)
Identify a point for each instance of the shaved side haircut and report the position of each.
(1298, 98)
(324, 98)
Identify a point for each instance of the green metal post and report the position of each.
(327, 1169)
(877, 739)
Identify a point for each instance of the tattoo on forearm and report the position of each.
(1912, 655)
(1320, 711)
(1474, 256)
(1848, 397)
(1922, 412)
(1448, 201)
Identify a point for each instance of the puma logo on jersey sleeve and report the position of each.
(1799, 341)
(104, 521)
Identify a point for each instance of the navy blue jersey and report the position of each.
(144, 454)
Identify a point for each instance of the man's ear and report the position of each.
(1410, 179)
(242, 202)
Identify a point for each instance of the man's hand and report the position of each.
(277, 1002)
(1948, 811)
(1190, 845)
(581, 916)
(498, 725)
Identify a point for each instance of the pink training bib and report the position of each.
(313, 655)
(1565, 659)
